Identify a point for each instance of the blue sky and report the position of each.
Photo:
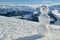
(31, 1)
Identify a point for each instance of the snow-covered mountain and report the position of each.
(57, 6)
(27, 12)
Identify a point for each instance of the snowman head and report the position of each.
(44, 9)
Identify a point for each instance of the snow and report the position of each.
(54, 33)
(12, 29)
(11, 26)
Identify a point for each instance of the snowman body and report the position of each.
(44, 20)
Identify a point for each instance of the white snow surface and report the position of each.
(12, 28)
(54, 33)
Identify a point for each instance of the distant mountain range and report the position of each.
(26, 12)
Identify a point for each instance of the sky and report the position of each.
(31, 1)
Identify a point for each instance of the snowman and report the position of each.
(44, 20)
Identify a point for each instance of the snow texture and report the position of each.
(11, 28)
(18, 29)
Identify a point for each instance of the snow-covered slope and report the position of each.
(11, 26)
(12, 29)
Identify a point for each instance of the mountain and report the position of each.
(52, 7)
(26, 12)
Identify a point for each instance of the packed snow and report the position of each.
(12, 29)
(11, 26)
